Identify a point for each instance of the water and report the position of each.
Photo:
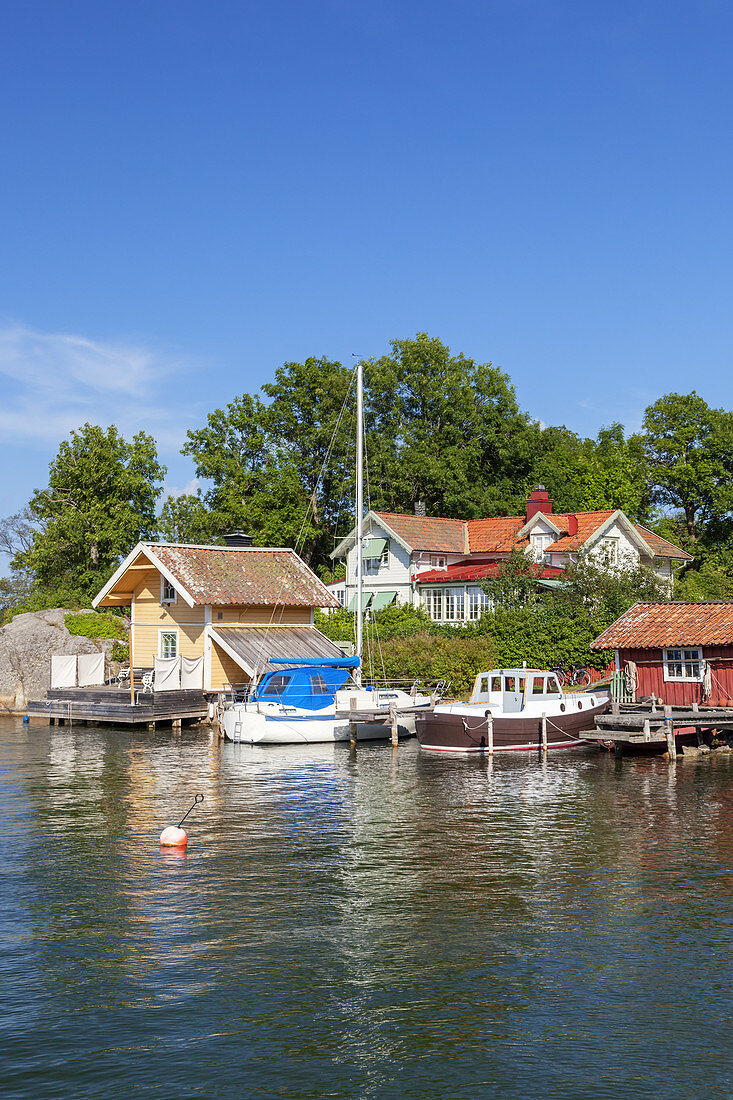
(369, 924)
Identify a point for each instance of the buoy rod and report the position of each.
(197, 798)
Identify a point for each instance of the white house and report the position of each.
(438, 564)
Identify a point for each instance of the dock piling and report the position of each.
(393, 724)
(489, 735)
(352, 723)
(544, 732)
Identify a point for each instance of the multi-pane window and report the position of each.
(374, 564)
(168, 643)
(167, 591)
(683, 664)
(609, 550)
(434, 603)
(454, 598)
(478, 601)
(540, 544)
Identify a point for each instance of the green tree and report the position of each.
(689, 449)
(445, 430)
(99, 501)
(587, 475)
(279, 470)
(185, 518)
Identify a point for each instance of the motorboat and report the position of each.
(315, 700)
(509, 706)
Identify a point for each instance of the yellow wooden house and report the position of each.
(219, 611)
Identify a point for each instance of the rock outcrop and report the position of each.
(26, 647)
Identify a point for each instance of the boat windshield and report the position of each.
(275, 685)
(308, 688)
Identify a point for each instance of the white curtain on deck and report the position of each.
(192, 672)
(167, 674)
(63, 671)
(91, 669)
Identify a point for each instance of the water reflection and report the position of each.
(358, 923)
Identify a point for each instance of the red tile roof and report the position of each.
(214, 575)
(588, 523)
(469, 571)
(499, 535)
(655, 625)
(661, 546)
(446, 536)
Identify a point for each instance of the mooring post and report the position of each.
(393, 724)
(489, 735)
(544, 732)
(647, 731)
(669, 730)
(352, 723)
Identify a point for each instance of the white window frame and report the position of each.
(173, 633)
(611, 549)
(438, 561)
(539, 544)
(373, 565)
(166, 584)
(454, 605)
(478, 601)
(683, 664)
(433, 603)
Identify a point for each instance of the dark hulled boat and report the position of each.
(512, 702)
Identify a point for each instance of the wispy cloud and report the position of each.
(189, 489)
(53, 382)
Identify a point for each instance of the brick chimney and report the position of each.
(539, 501)
(572, 525)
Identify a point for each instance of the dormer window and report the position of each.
(539, 545)
(168, 593)
(437, 561)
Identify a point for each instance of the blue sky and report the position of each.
(193, 193)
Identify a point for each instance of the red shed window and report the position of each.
(683, 664)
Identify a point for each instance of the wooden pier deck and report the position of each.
(113, 705)
(654, 725)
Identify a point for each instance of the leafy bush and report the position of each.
(430, 656)
(119, 652)
(94, 624)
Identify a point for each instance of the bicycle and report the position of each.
(572, 676)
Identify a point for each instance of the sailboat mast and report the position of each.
(359, 516)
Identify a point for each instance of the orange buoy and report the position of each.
(173, 837)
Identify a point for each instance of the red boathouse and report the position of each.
(680, 653)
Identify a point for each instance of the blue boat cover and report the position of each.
(312, 687)
(327, 662)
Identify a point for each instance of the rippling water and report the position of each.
(360, 924)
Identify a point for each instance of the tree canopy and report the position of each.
(99, 501)
(440, 428)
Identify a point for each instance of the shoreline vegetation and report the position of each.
(441, 429)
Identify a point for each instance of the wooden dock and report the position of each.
(113, 705)
(655, 725)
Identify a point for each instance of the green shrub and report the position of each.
(94, 624)
(119, 652)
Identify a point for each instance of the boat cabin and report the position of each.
(511, 688)
(306, 686)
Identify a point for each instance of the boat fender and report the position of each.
(212, 711)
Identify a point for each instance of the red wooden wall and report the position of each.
(650, 677)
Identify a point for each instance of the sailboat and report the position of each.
(313, 700)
